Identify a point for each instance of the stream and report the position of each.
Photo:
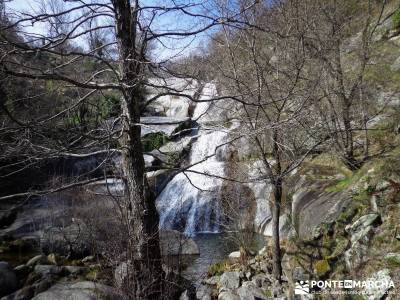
(214, 248)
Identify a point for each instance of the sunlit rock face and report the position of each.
(262, 192)
(176, 105)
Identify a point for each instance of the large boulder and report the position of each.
(284, 226)
(249, 291)
(172, 105)
(260, 280)
(36, 259)
(177, 146)
(395, 67)
(361, 224)
(33, 216)
(176, 243)
(228, 295)
(165, 125)
(48, 270)
(171, 151)
(179, 107)
(360, 232)
(84, 290)
(312, 206)
(204, 292)
(8, 279)
(148, 160)
(230, 280)
(158, 179)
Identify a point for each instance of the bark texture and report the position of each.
(145, 275)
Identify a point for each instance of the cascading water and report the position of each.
(189, 202)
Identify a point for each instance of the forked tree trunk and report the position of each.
(346, 118)
(145, 273)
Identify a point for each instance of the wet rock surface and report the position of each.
(85, 290)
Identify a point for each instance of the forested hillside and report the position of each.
(200, 149)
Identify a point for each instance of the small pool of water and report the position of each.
(214, 247)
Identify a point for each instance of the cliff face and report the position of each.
(345, 224)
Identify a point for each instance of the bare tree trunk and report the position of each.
(349, 158)
(276, 209)
(143, 244)
(276, 248)
(346, 105)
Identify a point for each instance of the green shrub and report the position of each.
(340, 186)
(268, 293)
(154, 141)
(393, 261)
(396, 19)
(347, 215)
(110, 105)
(218, 268)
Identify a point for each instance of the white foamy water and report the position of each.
(189, 202)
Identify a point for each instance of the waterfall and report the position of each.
(189, 202)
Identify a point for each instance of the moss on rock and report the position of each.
(321, 267)
(341, 246)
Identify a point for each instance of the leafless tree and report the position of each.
(283, 67)
(336, 30)
(262, 65)
(279, 64)
(55, 64)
